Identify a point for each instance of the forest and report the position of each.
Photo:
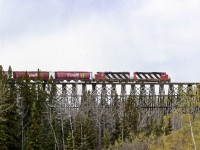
(32, 117)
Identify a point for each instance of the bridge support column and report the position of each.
(103, 95)
(94, 96)
(171, 97)
(161, 99)
(133, 94)
(179, 95)
(198, 96)
(63, 101)
(190, 99)
(74, 97)
(63, 88)
(152, 97)
(142, 97)
(114, 95)
(123, 95)
(84, 97)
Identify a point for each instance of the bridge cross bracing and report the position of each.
(150, 96)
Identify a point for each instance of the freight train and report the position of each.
(98, 77)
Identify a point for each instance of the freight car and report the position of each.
(31, 74)
(65, 75)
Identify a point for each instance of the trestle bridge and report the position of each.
(150, 96)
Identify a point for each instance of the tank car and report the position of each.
(72, 75)
(44, 75)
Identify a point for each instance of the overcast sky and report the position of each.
(102, 35)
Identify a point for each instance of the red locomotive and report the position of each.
(112, 76)
(150, 76)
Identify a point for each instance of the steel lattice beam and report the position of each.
(150, 96)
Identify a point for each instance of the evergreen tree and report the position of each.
(159, 127)
(116, 133)
(34, 134)
(148, 128)
(69, 142)
(4, 94)
(25, 102)
(37, 132)
(53, 125)
(32, 99)
(3, 137)
(13, 118)
(130, 119)
(106, 139)
(84, 134)
(168, 128)
(4, 107)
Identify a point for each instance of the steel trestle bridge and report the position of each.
(150, 96)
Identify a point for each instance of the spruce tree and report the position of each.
(106, 139)
(53, 125)
(130, 119)
(160, 126)
(168, 128)
(69, 142)
(84, 133)
(116, 132)
(34, 134)
(13, 118)
(3, 109)
(25, 102)
(37, 132)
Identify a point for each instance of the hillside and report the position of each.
(180, 139)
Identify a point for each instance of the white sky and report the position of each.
(102, 35)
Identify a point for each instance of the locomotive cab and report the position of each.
(164, 77)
